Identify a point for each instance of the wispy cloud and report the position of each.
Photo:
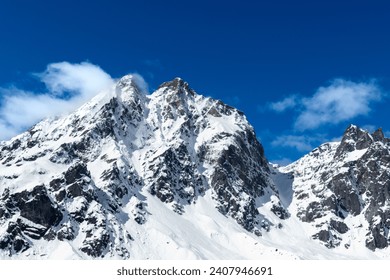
(140, 82)
(287, 103)
(301, 143)
(340, 101)
(69, 86)
(6, 130)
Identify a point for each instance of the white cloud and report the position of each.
(23, 109)
(299, 142)
(140, 82)
(341, 101)
(83, 79)
(287, 103)
(6, 131)
(69, 86)
(338, 102)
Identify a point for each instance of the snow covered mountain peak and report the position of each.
(131, 81)
(355, 139)
(362, 138)
(341, 189)
(177, 85)
(88, 182)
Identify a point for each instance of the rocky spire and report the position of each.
(177, 85)
(354, 138)
(378, 135)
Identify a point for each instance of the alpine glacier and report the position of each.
(176, 175)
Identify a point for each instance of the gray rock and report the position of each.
(37, 207)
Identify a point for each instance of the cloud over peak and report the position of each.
(69, 86)
(84, 79)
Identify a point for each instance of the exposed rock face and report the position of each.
(37, 215)
(348, 179)
(82, 178)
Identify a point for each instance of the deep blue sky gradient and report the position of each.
(247, 53)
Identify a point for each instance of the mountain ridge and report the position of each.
(174, 174)
(173, 143)
(346, 181)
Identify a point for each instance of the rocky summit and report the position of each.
(343, 189)
(176, 175)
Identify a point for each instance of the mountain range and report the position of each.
(176, 175)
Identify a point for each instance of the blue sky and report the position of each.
(301, 71)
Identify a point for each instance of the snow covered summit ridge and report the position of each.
(86, 182)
